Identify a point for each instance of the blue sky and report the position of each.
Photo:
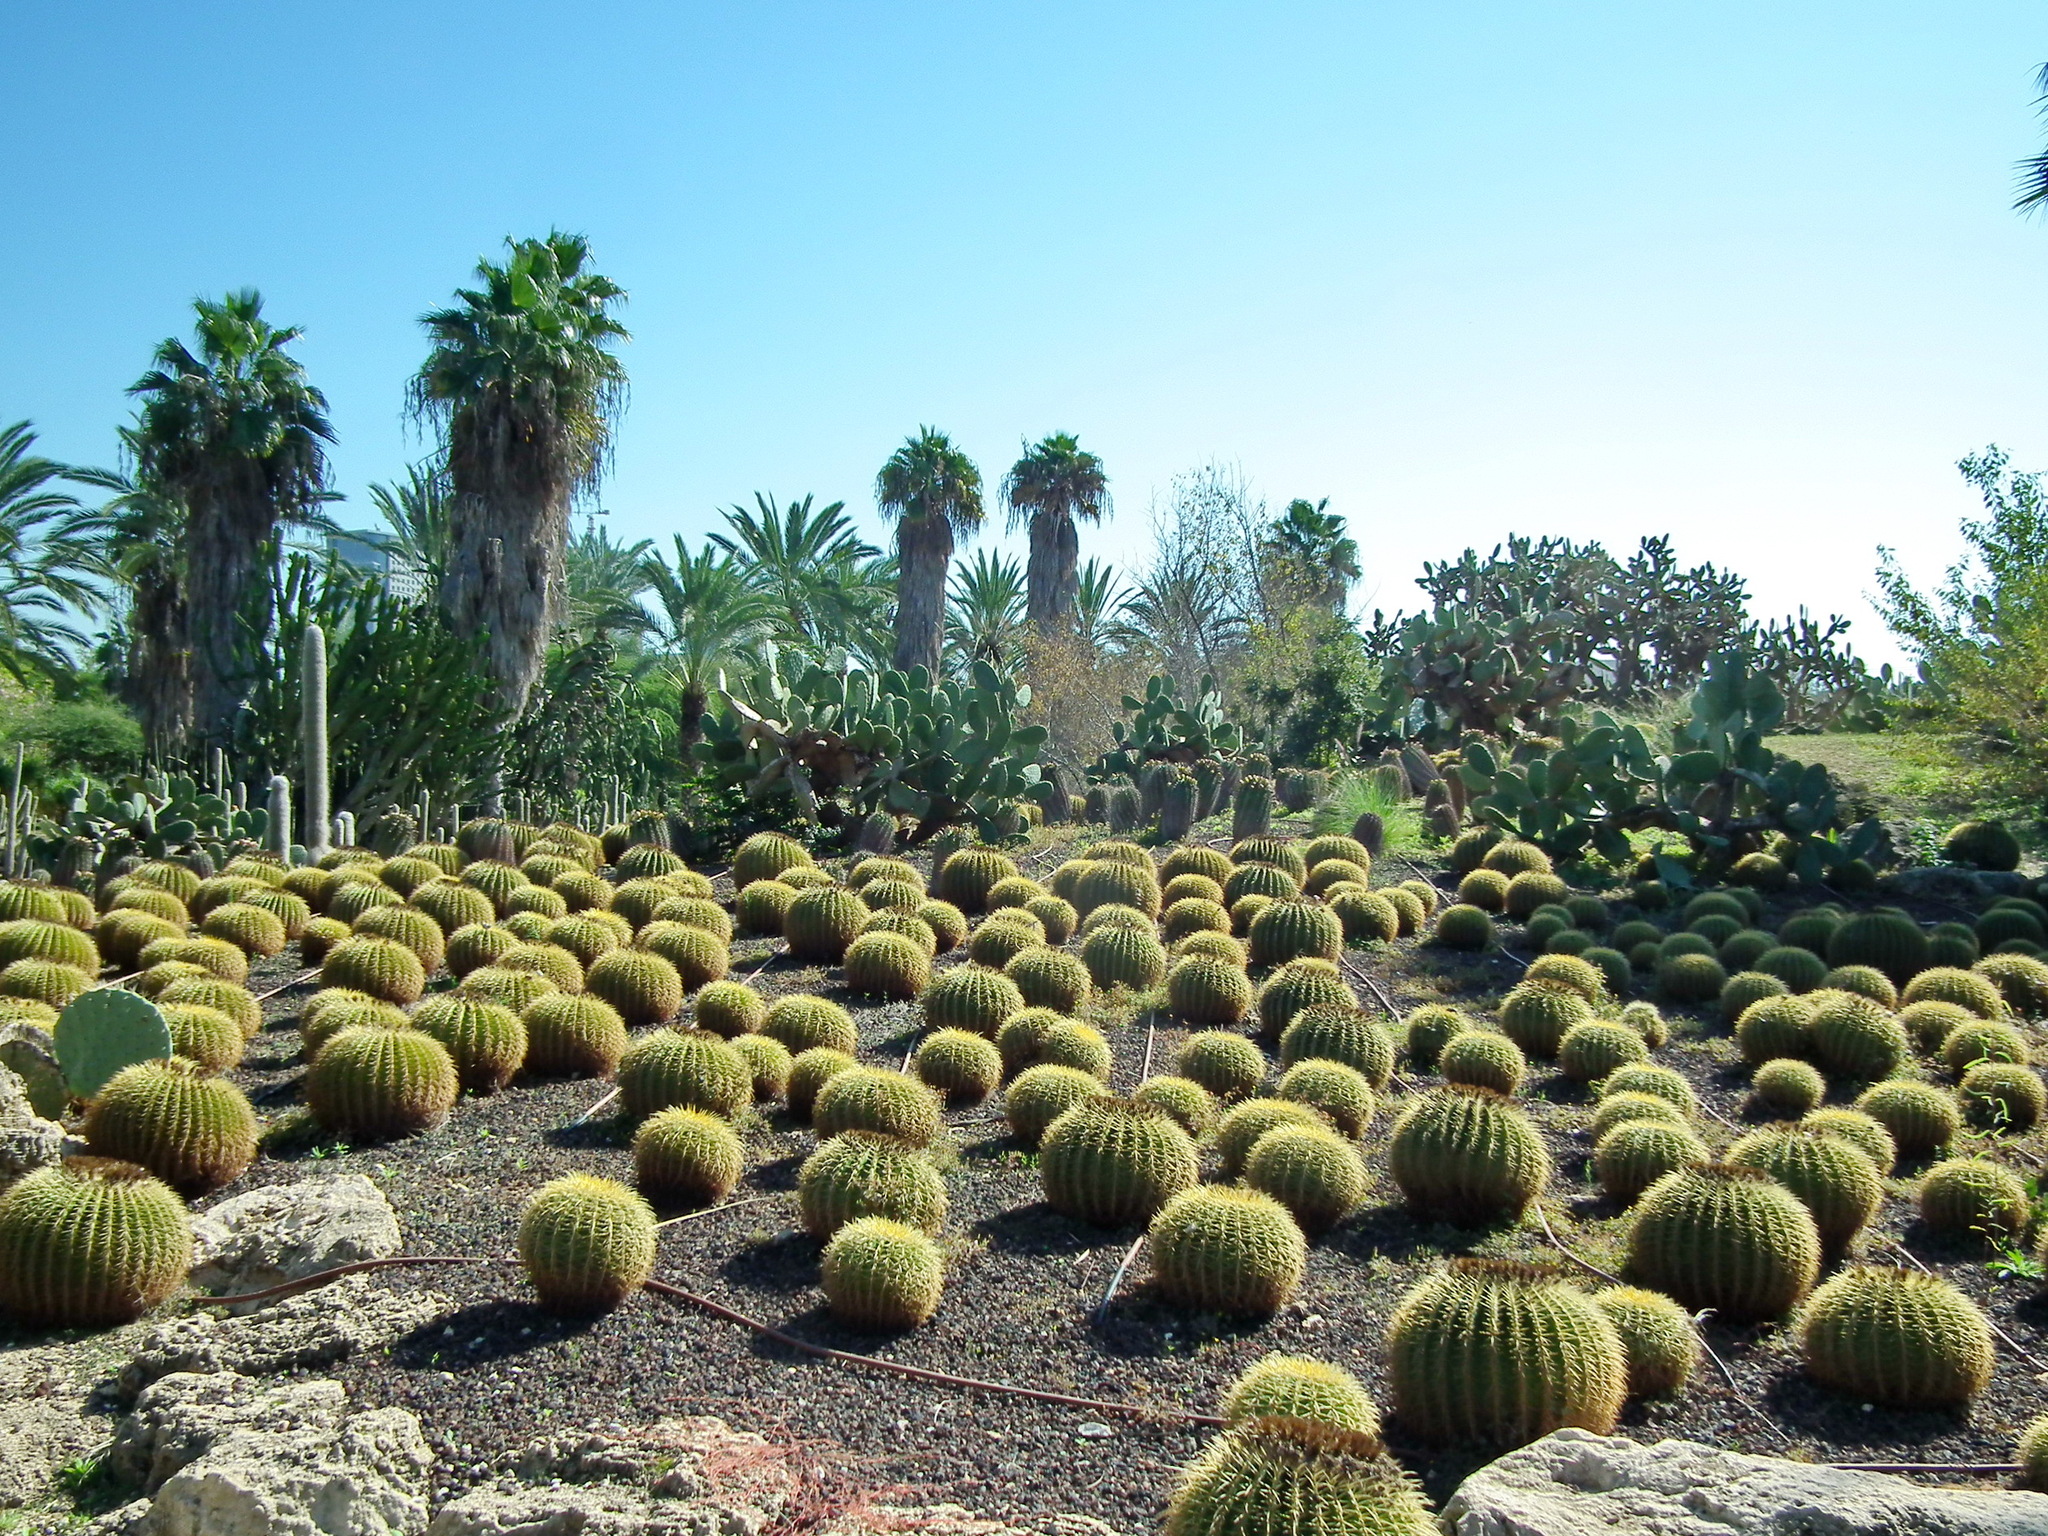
(1743, 273)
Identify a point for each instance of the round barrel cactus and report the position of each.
(1975, 1199)
(691, 1068)
(1468, 1156)
(194, 1132)
(1921, 1118)
(1483, 1058)
(1220, 1249)
(1536, 1016)
(586, 1244)
(1192, 1106)
(801, 1023)
(1896, 1337)
(875, 1099)
(573, 1035)
(1856, 1037)
(1111, 1162)
(487, 1042)
(1788, 1087)
(1834, 1181)
(1290, 1387)
(1203, 991)
(859, 1174)
(970, 998)
(90, 1242)
(881, 1275)
(372, 1083)
(687, 1156)
(1311, 1170)
(1656, 1335)
(1637, 1153)
(1734, 1239)
(1293, 1477)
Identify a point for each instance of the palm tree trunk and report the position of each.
(159, 682)
(924, 550)
(1052, 577)
(690, 728)
(228, 534)
(504, 579)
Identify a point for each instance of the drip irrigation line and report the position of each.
(1116, 1280)
(1151, 1029)
(310, 1282)
(584, 1118)
(1559, 1244)
(730, 1205)
(298, 980)
(1734, 1388)
(919, 1373)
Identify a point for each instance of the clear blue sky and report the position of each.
(1745, 272)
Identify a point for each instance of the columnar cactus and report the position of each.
(1502, 1354)
(1896, 1337)
(586, 1244)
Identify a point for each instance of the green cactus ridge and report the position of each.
(690, 1068)
(1637, 1153)
(586, 1244)
(880, 1101)
(487, 1042)
(857, 1174)
(194, 1132)
(969, 874)
(206, 1037)
(1863, 1132)
(1111, 1162)
(1338, 1032)
(2022, 980)
(1657, 1337)
(697, 955)
(1483, 1058)
(687, 1156)
(1259, 878)
(882, 1276)
(1467, 1156)
(1291, 1477)
(1502, 1354)
(1314, 1172)
(1724, 1237)
(1290, 1387)
(1896, 1337)
(560, 967)
(1220, 1249)
(90, 1242)
(801, 1023)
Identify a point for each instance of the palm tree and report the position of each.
(933, 491)
(602, 583)
(1102, 609)
(1311, 544)
(710, 616)
(2034, 169)
(985, 617)
(236, 433)
(417, 514)
(525, 392)
(48, 557)
(1055, 482)
(143, 552)
(825, 580)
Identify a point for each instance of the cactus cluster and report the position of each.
(1975, 1199)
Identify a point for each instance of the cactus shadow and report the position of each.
(602, 1132)
(777, 1174)
(783, 1264)
(483, 1333)
(1800, 1403)
(1391, 1232)
(1036, 1230)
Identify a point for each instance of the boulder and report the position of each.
(181, 1417)
(287, 1231)
(592, 1509)
(1572, 1482)
(27, 1140)
(365, 1477)
(309, 1331)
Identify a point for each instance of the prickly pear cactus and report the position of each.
(104, 1030)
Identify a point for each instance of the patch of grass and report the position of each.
(1353, 794)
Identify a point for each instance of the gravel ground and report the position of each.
(1023, 1293)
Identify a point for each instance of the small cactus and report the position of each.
(1773, 1028)
(1290, 1387)
(858, 1174)
(1536, 1016)
(382, 968)
(1788, 1087)
(573, 1035)
(1594, 1048)
(698, 955)
(1335, 1032)
(1050, 978)
(1228, 1065)
(884, 1102)
(1921, 1118)
(1502, 1354)
(687, 1156)
(1294, 930)
(1314, 1172)
(1426, 1032)
(1124, 957)
(1467, 1156)
(802, 1023)
(969, 874)
(1637, 1153)
(1299, 985)
(959, 1065)
(1832, 1179)
(90, 1243)
(1234, 1251)
(2002, 1097)
(1240, 1129)
(586, 1244)
(761, 907)
(486, 1042)
(809, 1071)
(1886, 941)
(1192, 1106)
(1110, 1162)
(730, 1008)
(691, 1068)
(821, 923)
(1658, 1338)
(1856, 1037)
(1340, 1092)
(888, 965)
(1041, 1094)
(1203, 991)
(1729, 1238)
(1277, 1475)
(766, 855)
(1483, 1058)
(972, 999)
(1896, 1337)
(882, 1275)
(1976, 1199)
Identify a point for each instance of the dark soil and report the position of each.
(1025, 1286)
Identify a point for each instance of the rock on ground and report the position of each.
(288, 1231)
(27, 1140)
(305, 1332)
(1572, 1483)
(181, 1417)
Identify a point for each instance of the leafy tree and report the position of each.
(933, 490)
(525, 391)
(985, 615)
(831, 588)
(1054, 484)
(710, 617)
(1981, 637)
(1308, 548)
(48, 557)
(237, 433)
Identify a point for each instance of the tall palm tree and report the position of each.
(237, 433)
(710, 616)
(143, 550)
(985, 615)
(2033, 187)
(48, 557)
(1311, 542)
(1053, 484)
(524, 389)
(820, 573)
(416, 511)
(933, 491)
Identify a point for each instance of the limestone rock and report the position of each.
(594, 1509)
(287, 1231)
(366, 1477)
(27, 1140)
(1572, 1482)
(181, 1417)
(309, 1331)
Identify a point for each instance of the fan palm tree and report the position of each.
(237, 433)
(985, 616)
(417, 513)
(1309, 540)
(48, 557)
(525, 392)
(824, 579)
(710, 615)
(933, 491)
(1052, 485)
(2033, 188)
(143, 553)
